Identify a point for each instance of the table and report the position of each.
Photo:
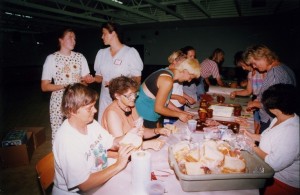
(121, 183)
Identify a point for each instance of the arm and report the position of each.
(179, 98)
(114, 124)
(165, 85)
(99, 178)
(220, 82)
(259, 152)
(98, 78)
(245, 92)
(46, 85)
(189, 98)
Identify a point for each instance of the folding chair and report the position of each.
(45, 172)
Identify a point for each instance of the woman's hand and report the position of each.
(255, 137)
(184, 117)
(123, 155)
(138, 131)
(88, 79)
(233, 94)
(164, 131)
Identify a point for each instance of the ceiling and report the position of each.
(36, 16)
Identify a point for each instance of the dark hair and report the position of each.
(121, 85)
(238, 57)
(111, 26)
(215, 52)
(186, 49)
(62, 34)
(282, 97)
(76, 96)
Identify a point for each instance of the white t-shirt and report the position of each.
(77, 155)
(177, 90)
(281, 143)
(126, 62)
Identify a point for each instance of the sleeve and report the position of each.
(48, 68)
(85, 67)
(97, 63)
(215, 71)
(284, 150)
(135, 64)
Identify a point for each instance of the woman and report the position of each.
(155, 92)
(255, 80)
(81, 143)
(121, 115)
(279, 143)
(113, 61)
(264, 60)
(64, 67)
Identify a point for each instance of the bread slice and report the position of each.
(233, 165)
(133, 139)
(211, 152)
(194, 168)
(193, 156)
(172, 128)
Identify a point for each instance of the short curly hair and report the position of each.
(121, 85)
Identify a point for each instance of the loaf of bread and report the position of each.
(133, 139)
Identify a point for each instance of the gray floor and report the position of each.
(26, 106)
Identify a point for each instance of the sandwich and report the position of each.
(233, 165)
(133, 139)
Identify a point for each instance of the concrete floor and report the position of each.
(24, 106)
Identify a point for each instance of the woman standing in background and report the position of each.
(64, 67)
(114, 61)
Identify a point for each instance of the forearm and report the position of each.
(98, 178)
(46, 87)
(259, 152)
(98, 78)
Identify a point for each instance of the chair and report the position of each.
(45, 171)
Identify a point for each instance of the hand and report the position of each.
(138, 131)
(164, 131)
(123, 155)
(184, 117)
(232, 94)
(154, 144)
(88, 79)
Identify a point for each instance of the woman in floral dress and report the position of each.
(64, 67)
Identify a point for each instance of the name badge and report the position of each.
(118, 62)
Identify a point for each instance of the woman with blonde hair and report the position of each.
(156, 90)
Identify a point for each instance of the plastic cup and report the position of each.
(192, 124)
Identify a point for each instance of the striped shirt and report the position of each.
(278, 74)
(209, 68)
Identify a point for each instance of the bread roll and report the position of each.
(194, 168)
(133, 139)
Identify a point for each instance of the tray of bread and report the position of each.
(214, 165)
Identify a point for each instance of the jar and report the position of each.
(237, 111)
(202, 114)
(203, 104)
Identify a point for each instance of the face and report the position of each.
(186, 76)
(220, 57)
(106, 36)
(85, 114)
(191, 54)
(245, 66)
(259, 64)
(128, 98)
(68, 41)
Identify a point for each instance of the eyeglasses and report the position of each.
(131, 96)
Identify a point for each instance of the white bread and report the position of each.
(133, 139)
(172, 128)
(194, 168)
(233, 165)
(180, 150)
(193, 156)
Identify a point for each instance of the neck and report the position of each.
(80, 127)
(125, 109)
(65, 52)
(281, 118)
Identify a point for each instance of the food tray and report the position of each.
(221, 182)
(234, 126)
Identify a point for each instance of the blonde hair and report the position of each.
(176, 56)
(191, 65)
(259, 51)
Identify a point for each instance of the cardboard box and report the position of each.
(39, 134)
(13, 156)
(14, 138)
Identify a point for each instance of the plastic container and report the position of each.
(252, 179)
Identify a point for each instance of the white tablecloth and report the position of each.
(121, 183)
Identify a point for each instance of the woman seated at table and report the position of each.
(156, 90)
(121, 115)
(279, 143)
(81, 143)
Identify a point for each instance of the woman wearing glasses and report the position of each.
(121, 116)
(156, 90)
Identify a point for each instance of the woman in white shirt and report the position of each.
(279, 143)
